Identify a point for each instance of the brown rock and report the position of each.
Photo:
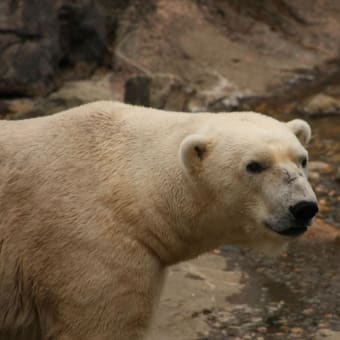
(320, 167)
(170, 93)
(337, 175)
(161, 91)
(326, 334)
(321, 104)
(4, 109)
(322, 230)
(297, 330)
(313, 176)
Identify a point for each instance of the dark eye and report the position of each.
(304, 162)
(255, 167)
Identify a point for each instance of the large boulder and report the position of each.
(71, 94)
(160, 91)
(37, 36)
(321, 104)
(82, 31)
(29, 46)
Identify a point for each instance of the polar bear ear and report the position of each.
(192, 151)
(301, 130)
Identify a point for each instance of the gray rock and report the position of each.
(84, 91)
(36, 36)
(29, 48)
(4, 109)
(72, 94)
(169, 92)
(137, 91)
(82, 32)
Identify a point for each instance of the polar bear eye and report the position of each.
(255, 167)
(304, 162)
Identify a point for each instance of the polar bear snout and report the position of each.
(304, 211)
(296, 222)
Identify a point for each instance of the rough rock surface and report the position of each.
(160, 91)
(71, 94)
(237, 53)
(321, 104)
(82, 31)
(232, 55)
(37, 36)
(29, 48)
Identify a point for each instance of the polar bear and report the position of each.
(96, 201)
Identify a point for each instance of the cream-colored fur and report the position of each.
(96, 201)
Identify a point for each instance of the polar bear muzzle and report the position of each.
(301, 215)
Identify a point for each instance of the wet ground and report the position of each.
(293, 296)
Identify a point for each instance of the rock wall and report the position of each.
(194, 55)
(36, 37)
(29, 46)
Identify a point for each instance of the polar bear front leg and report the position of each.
(135, 331)
(138, 336)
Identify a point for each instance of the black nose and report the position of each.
(304, 210)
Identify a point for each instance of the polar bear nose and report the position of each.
(304, 210)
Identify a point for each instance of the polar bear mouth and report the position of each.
(293, 232)
(289, 232)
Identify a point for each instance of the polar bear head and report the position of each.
(253, 168)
